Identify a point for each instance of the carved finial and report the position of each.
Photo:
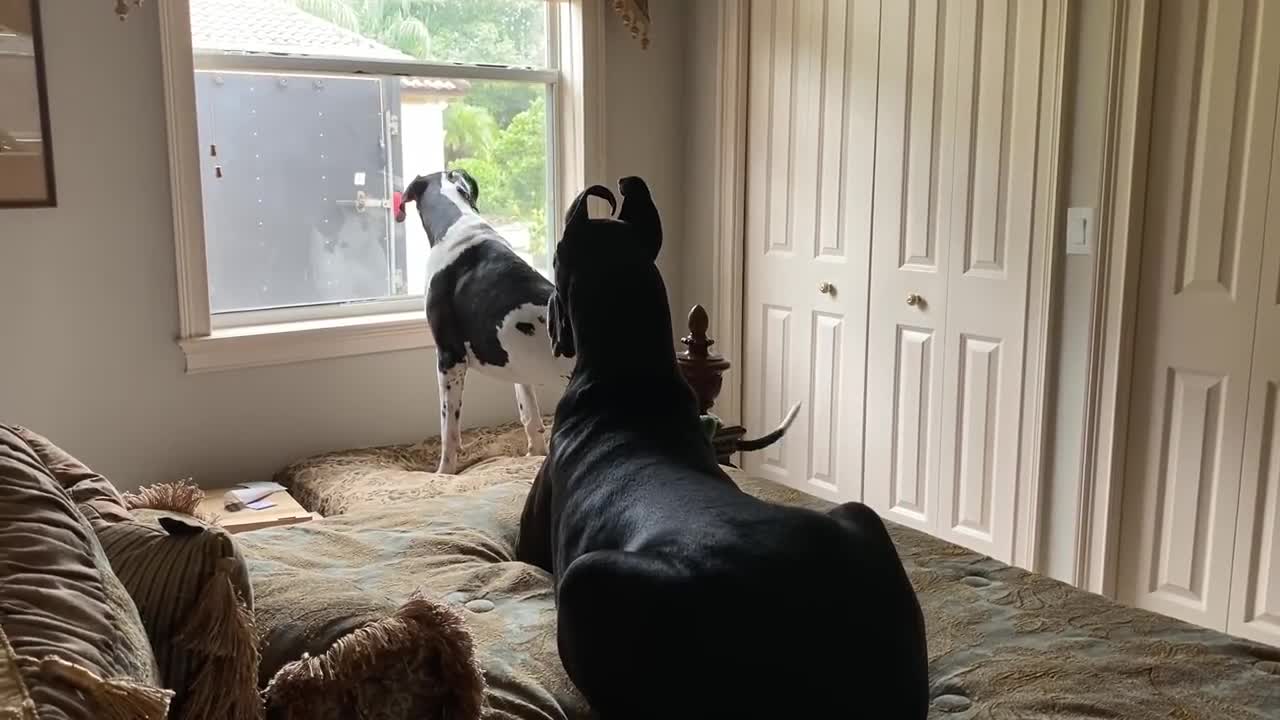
(697, 340)
(700, 367)
(699, 321)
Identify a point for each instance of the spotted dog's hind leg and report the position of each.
(451, 382)
(531, 418)
(451, 366)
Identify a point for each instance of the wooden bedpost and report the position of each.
(704, 371)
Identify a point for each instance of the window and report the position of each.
(297, 123)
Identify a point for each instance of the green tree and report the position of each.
(395, 23)
(504, 100)
(512, 174)
(511, 32)
(469, 130)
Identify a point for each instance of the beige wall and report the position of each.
(1086, 104)
(645, 121)
(88, 310)
(699, 140)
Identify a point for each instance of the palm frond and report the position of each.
(412, 36)
(469, 129)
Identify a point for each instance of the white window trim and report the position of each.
(577, 128)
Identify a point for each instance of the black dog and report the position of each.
(671, 581)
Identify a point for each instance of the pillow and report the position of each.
(15, 699)
(369, 660)
(187, 579)
(192, 589)
(71, 630)
(85, 486)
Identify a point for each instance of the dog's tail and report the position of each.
(765, 441)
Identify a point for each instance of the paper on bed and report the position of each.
(252, 492)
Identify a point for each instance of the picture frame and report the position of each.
(26, 141)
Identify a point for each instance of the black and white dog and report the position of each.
(671, 581)
(486, 306)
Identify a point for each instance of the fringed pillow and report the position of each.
(192, 589)
(417, 661)
(85, 486)
(182, 497)
(72, 635)
(15, 698)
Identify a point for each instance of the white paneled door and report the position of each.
(892, 163)
(1255, 583)
(1200, 463)
(812, 76)
(955, 176)
(910, 253)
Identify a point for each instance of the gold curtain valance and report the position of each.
(635, 14)
(124, 6)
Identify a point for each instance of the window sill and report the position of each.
(294, 342)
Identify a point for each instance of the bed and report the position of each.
(1003, 643)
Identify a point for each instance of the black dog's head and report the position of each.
(442, 198)
(608, 289)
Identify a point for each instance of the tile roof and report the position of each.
(278, 26)
(439, 85)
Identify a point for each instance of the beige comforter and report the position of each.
(1003, 643)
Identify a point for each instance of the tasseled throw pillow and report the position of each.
(15, 698)
(72, 645)
(192, 589)
(187, 580)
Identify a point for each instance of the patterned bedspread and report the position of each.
(1003, 643)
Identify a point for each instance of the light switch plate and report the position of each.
(1080, 230)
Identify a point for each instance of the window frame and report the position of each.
(277, 336)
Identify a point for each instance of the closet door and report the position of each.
(811, 115)
(1255, 582)
(1211, 161)
(955, 176)
(910, 250)
(890, 193)
(992, 206)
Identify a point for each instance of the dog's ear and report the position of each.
(578, 210)
(412, 193)
(639, 211)
(467, 185)
(559, 327)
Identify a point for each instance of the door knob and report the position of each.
(826, 288)
(914, 299)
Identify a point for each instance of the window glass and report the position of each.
(301, 171)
